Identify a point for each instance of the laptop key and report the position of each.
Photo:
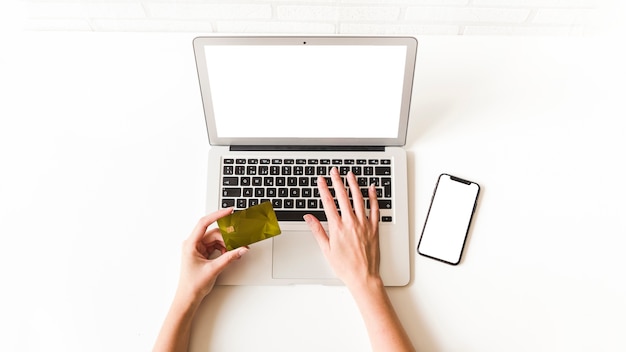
(230, 181)
(231, 192)
(297, 215)
(227, 203)
(386, 182)
(383, 170)
(384, 204)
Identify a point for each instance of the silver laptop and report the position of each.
(282, 110)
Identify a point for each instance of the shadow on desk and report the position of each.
(403, 298)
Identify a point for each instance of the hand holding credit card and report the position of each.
(248, 226)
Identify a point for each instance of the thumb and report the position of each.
(318, 231)
(220, 263)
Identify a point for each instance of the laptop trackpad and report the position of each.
(297, 255)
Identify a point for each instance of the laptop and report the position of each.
(281, 110)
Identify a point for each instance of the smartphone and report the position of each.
(449, 216)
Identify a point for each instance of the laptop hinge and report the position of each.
(308, 148)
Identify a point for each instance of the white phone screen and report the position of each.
(448, 219)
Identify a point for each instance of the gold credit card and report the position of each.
(248, 226)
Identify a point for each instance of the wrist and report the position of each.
(369, 286)
(187, 299)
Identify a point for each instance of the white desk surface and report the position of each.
(103, 156)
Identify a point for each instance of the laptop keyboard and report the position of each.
(291, 184)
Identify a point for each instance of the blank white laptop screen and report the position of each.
(255, 88)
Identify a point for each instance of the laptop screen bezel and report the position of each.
(410, 43)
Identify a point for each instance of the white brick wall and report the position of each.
(414, 17)
(469, 15)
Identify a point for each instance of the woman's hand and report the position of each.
(198, 271)
(351, 248)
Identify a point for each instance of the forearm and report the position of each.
(383, 326)
(176, 329)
